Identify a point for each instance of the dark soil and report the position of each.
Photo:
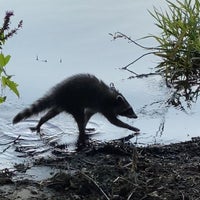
(116, 171)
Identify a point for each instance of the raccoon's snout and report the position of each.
(133, 115)
(129, 113)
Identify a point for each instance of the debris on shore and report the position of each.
(114, 171)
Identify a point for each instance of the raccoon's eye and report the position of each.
(120, 99)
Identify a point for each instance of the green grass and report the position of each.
(179, 41)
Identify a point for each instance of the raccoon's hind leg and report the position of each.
(50, 114)
(88, 114)
(79, 116)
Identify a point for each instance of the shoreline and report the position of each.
(114, 170)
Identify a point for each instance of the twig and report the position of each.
(4, 71)
(144, 75)
(131, 194)
(88, 162)
(125, 67)
(6, 148)
(154, 50)
(95, 183)
(124, 179)
(9, 144)
(122, 35)
(11, 141)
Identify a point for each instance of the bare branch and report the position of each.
(12, 142)
(95, 183)
(125, 67)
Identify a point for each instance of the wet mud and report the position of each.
(115, 170)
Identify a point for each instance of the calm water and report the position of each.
(77, 33)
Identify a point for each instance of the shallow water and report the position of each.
(74, 37)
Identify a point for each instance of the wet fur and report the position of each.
(82, 96)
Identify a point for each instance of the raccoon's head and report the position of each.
(123, 108)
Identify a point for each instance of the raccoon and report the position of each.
(82, 96)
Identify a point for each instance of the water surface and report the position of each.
(70, 37)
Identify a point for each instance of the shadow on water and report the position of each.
(19, 141)
(20, 147)
(50, 137)
(182, 95)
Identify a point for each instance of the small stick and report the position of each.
(11, 141)
(95, 183)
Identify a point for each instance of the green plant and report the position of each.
(179, 41)
(5, 79)
(178, 47)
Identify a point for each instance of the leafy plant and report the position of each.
(179, 42)
(178, 47)
(5, 79)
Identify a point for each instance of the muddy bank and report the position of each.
(114, 170)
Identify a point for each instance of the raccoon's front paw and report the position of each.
(136, 133)
(35, 129)
(135, 129)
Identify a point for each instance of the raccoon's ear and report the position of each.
(120, 99)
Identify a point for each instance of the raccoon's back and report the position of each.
(80, 90)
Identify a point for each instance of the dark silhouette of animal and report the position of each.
(82, 96)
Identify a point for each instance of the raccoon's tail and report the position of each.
(40, 105)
